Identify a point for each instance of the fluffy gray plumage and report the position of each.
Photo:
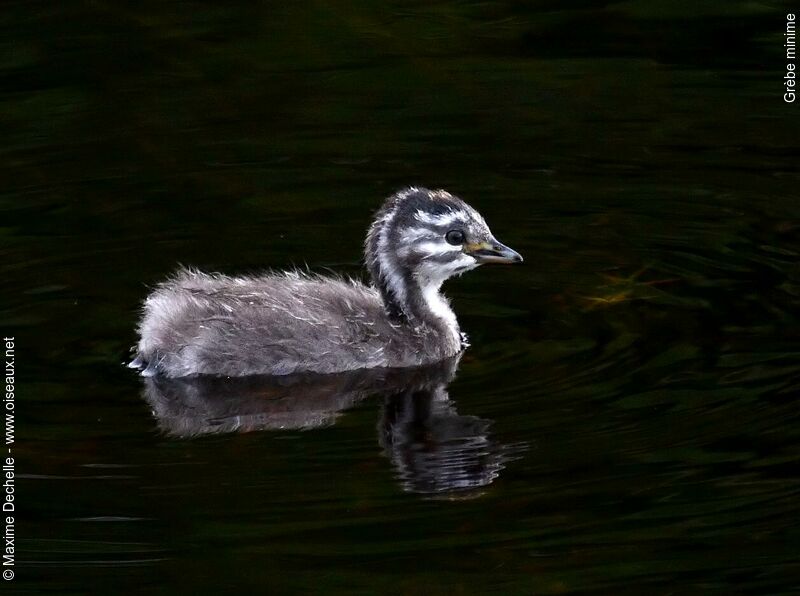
(282, 323)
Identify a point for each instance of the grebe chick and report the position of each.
(282, 323)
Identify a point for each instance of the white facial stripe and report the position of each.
(435, 249)
(428, 250)
(443, 219)
(416, 234)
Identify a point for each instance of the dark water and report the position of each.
(626, 419)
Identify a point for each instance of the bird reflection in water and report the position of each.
(433, 448)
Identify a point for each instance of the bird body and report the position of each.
(214, 324)
(282, 323)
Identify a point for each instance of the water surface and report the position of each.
(626, 418)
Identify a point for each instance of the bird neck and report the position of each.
(414, 300)
(408, 298)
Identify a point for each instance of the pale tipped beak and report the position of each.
(493, 251)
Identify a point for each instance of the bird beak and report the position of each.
(493, 251)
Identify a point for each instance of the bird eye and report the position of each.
(455, 237)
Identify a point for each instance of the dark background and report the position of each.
(638, 154)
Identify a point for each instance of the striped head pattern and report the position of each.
(422, 237)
